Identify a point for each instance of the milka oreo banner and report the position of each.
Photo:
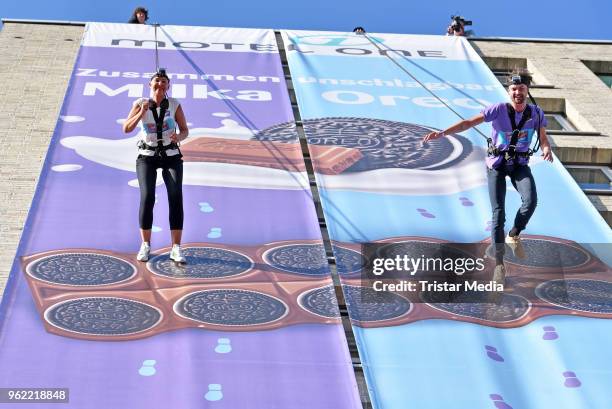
(252, 319)
(359, 94)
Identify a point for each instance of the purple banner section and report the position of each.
(106, 77)
(250, 321)
(286, 368)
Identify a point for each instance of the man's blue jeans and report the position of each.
(522, 180)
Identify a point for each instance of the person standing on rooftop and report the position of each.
(139, 16)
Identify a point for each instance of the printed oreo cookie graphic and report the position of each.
(81, 269)
(202, 262)
(541, 253)
(347, 261)
(321, 301)
(103, 316)
(383, 144)
(592, 296)
(365, 305)
(304, 259)
(506, 308)
(231, 307)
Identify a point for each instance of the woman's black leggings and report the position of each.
(172, 172)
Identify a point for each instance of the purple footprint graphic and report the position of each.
(498, 401)
(571, 380)
(425, 213)
(493, 354)
(550, 333)
(466, 201)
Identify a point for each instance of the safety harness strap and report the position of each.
(160, 149)
(516, 129)
(172, 145)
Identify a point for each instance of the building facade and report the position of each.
(572, 85)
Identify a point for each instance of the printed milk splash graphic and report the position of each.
(120, 154)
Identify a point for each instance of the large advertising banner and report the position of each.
(374, 97)
(251, 320)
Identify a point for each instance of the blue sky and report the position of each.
(582, 19)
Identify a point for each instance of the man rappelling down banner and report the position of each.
(514, 125)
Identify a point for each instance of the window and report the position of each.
(557, 121)
(502, 75)
(592, 179)
(606, 78)
(603, 69)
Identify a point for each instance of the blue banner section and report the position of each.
(375, 97)
(377, 88)
(364, 89)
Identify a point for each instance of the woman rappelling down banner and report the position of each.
(514, 125)
(158, 148)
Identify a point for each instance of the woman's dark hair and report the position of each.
(161, 72)
(134, 19)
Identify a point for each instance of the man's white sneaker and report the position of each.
(177, 255)
(517, 247)
(143, 253)
(499, 274)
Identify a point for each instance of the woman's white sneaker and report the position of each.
(176, 254)
(143, 253)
